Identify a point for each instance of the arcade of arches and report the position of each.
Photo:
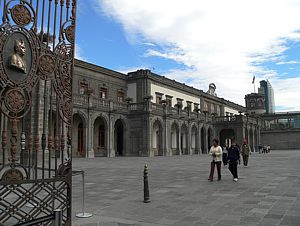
(111, 138)
(103, 142)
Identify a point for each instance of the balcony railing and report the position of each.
(225, 119)
(122, 107)
(137, 107)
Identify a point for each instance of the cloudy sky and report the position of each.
(198, 42)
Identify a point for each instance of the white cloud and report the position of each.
(126, 70)
(79, 53)
(288, 62)
(222, 41)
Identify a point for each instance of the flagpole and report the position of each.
(253, 82)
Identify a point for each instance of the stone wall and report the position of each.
(281, 139)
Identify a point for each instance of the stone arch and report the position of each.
(184, 139)
(102, 115)
(174, 138)
(157, 138)
(83, 116)
(79, 137)
(120, 130)
(100, 136)
(226, 137)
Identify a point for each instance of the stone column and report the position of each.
(86, 140)
(199, 139)
(258, 135)
(205, 141)
(179, 140)
(110, 132)
(239, 135)
(150, 153)
(248, 135)
(90, 139)
(167, 139)
(253, 139)
(189, 140)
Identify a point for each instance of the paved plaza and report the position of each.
(268, 192)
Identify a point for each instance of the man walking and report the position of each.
(216, 154)
(233, 159)
(245, 152)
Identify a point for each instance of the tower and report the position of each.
(255, 103)
(266, 89)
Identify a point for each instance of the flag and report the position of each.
(253, 79)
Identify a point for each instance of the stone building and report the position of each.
(144, 114)
(255, 103)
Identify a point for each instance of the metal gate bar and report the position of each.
(36, 68)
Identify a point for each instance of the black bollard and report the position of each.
(146, 185)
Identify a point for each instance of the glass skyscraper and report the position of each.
(267, 90)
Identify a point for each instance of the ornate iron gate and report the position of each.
(36, 67)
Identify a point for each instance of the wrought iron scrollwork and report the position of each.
(37, 41)
(21, 15)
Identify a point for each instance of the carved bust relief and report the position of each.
(17, 61)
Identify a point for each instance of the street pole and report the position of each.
(88, 127)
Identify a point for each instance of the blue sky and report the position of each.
(198, 42)
(102, 41)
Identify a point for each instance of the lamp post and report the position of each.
(199, 132)
(88, 92)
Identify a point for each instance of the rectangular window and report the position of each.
(120, 96)
(212, 108)
(218, 110)
(158, 99)
(169, 102)
(179, 102)
(205, 106)
(83, 87)
(189, 105)
(103, 93)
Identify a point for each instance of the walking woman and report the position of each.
(245, 152)
(216, 155)
(234, 159)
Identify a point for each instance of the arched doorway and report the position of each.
(209, 138)
(119, 138)
(100, 134)
(78, 136)
(226, 137)
(194, 141)
(175, 139)
(157, 145)
(184, 139)
(203, 140)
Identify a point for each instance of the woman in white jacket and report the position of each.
(216, 154)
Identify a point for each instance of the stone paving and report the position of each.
(268, 192)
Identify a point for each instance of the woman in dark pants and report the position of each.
(234, 159)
